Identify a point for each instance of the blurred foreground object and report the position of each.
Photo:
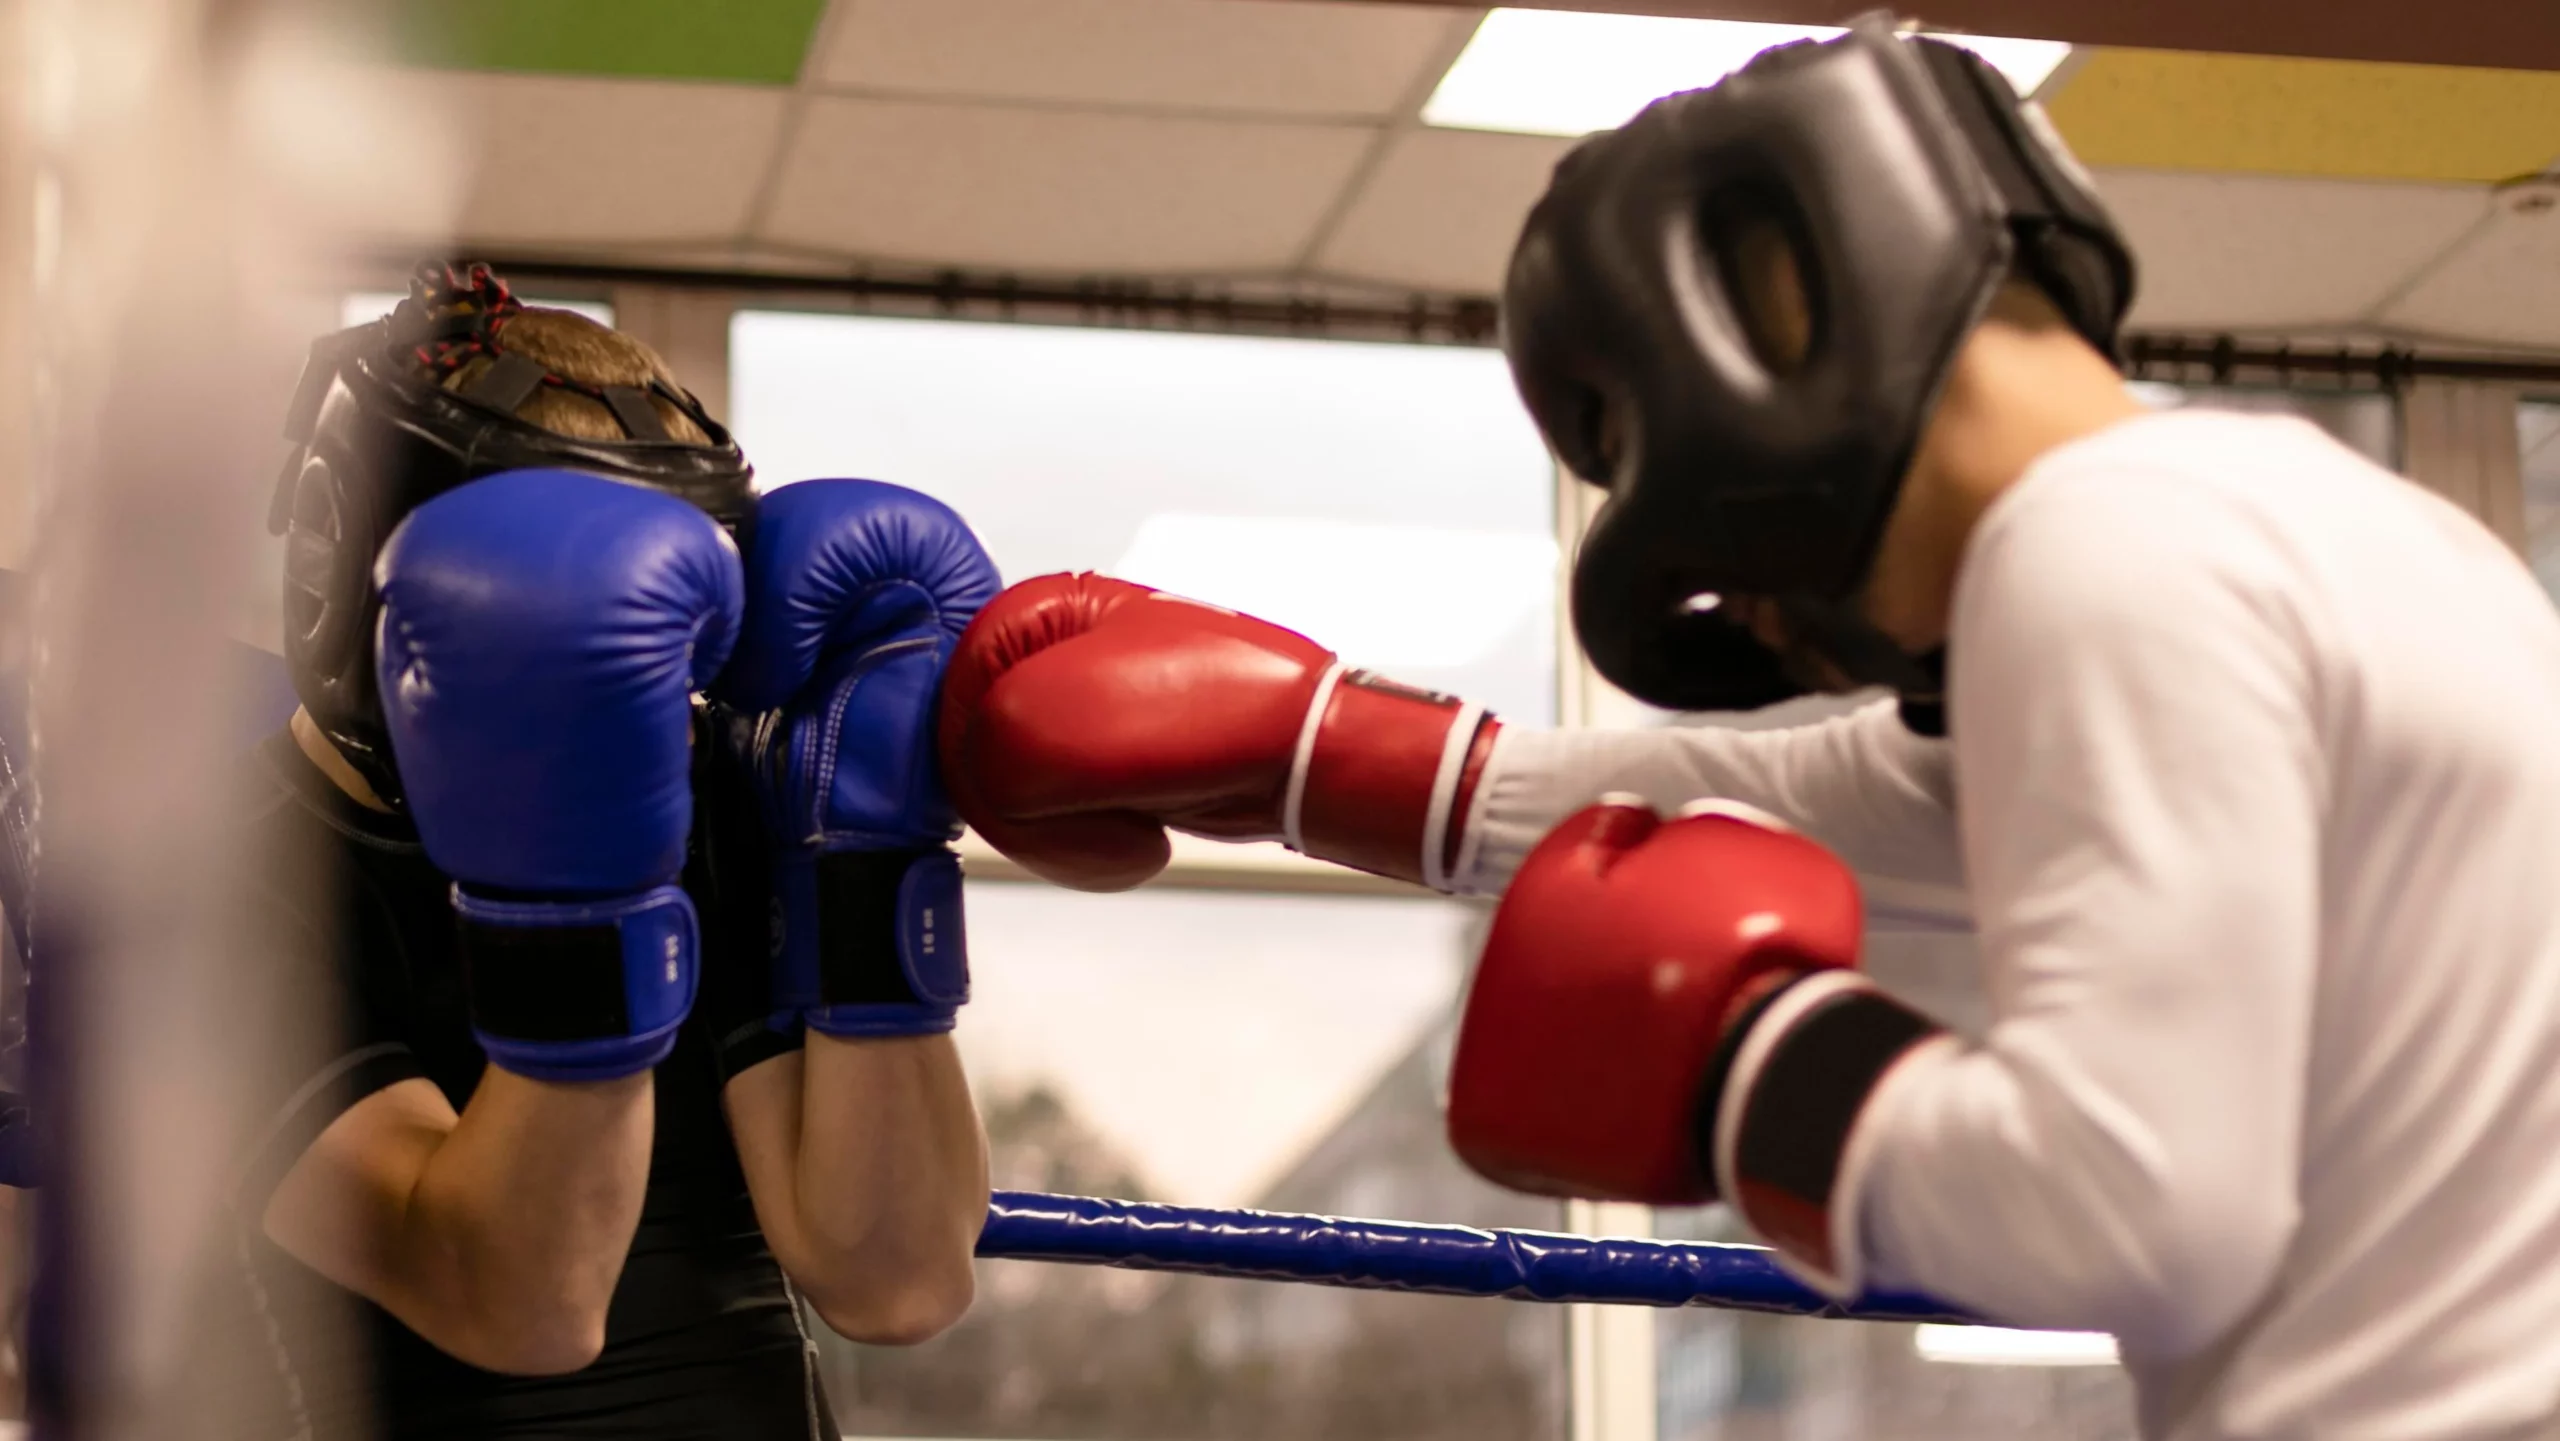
(181, 173)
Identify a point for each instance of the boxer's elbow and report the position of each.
(2163, 1259)
(2071, 1218)
(894, 1305)
(2203, 1255)
(566, 1345)
(888, 1279)
(517, 1336)
(893, 1281)
(497, 1312)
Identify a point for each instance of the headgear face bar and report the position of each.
(376, 434)
(1754, 445)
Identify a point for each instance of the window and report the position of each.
(1391, 501)
(2538, 447)
(1217, 1048)
(2366, 421)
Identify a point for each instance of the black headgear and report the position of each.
(1752, 453)
(376, 434)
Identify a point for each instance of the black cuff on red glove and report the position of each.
(1776, 1118)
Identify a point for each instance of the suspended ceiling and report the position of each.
(1277, 140)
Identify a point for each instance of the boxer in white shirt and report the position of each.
(2250, 782)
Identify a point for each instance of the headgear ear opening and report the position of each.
(1751, 243)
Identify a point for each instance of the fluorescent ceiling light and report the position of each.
(1994, 1346)
(1556, 72)
(1392, 596)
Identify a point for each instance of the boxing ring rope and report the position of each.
(1436, 1260)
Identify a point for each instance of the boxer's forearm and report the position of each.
(869, 1172)
(498, 1236)
(1858, 783)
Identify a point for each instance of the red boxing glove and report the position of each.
(1667, 1011)
(1082, 715)
(1622, 955)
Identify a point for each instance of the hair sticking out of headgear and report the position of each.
(440, 294)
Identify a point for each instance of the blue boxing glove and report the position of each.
(542, 633)
(856, 593)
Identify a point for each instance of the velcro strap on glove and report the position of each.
(890, 953)
(578, 991)
(1778, 1120)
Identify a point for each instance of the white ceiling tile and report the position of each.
(1006, 186)
(606, 163)
(1442, 210)
(2502, 287)
(1272, 56)
(322, 139)
(2246, 252)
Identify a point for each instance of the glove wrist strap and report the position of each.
(1778, 1119)
(578, 990)
(874, 942)
(1384, 777)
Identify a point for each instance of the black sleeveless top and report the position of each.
(703, 1340)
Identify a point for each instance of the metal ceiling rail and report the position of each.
(2507, 34)
(1098, 300)
(2224, 360)
(1439, 318)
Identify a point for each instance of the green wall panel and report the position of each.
(751, 41)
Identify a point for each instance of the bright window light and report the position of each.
(1397, 597)
(1555, 72)
(1994, 1346)
(1392, 501)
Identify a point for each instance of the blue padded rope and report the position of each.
(1406, 1256)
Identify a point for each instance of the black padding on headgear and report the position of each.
(376, 434)
(1699, 660)
(508, 383)
(638, 417)
(1905, 181)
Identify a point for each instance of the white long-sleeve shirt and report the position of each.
(2253, 797)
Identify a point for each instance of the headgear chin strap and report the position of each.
(1758, 452)
(376, 434)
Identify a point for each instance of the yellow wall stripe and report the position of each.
(2178, 110)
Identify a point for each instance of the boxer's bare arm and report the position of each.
(869, 1173)
(497, 1235)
